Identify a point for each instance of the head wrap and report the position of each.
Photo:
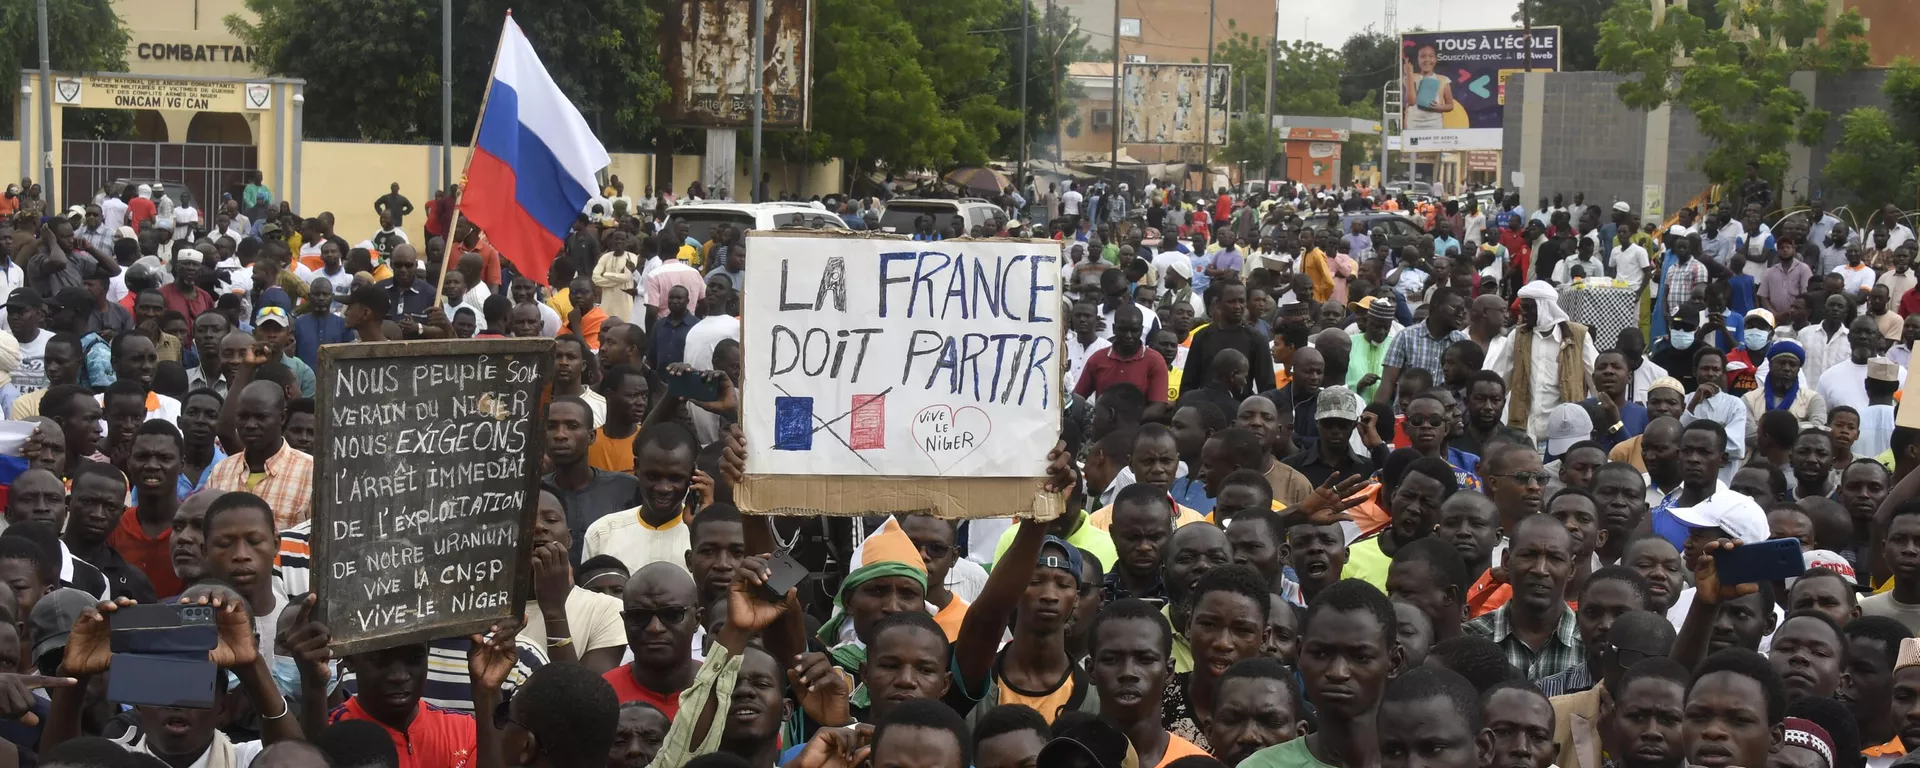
(1807, 734)
(1785, 347)
(888, 552)
(1546, 301)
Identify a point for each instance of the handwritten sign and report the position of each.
(889, 357)
(424, 480)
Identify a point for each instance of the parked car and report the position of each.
(178, 190)
(899, 214)
(702, 218)
(1400, 230)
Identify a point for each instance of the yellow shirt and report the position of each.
(613, 454)
(949, 618)
(1047, 703)
(1182, 516)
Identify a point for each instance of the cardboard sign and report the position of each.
(869, 358)
(1907, 414)
(426, 464)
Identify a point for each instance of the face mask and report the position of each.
(1681, 339)
(1757, 339)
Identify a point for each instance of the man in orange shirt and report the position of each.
(145, 531)
(1467, 521)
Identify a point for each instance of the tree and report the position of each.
(1877, 160)
(971, 72)
(1733, 77)
(1579, 23)
(384, 83)
(873, 104)
(1371, 59)
(1056, 42)
(82, 36)
(1307, 79)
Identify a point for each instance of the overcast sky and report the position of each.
(1331, 23)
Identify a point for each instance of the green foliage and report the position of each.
(1735, 83)
(385, 85)
(1308, 78)
(82, 36)
(1247, 143)
(1371, 58)
(1579, 23)
(1877, 160)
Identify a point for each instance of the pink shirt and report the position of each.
(669, 274)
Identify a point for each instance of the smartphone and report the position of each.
(162, 681)
(164, 629)
(692, 386)
(1771, 560)
(787, 574)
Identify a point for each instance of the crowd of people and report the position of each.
(1335, 497)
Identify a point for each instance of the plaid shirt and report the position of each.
(1416, 347)
(1681, 280)
(287, 487)
(1574, 680)
(1561, 651)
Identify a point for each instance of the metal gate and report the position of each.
(206, 171)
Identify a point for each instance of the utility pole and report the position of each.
(759, 92)
(1243, 113)
(1113, 162)
(1206, 108)
(446, 96)
(46, 112)
(1273, 50)
(1026, 16)
(1526, 27)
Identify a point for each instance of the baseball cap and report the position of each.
(1567, 423)
(270, 229)
(1762, 315)
(1337, 402)
(25, 298)
(1072, 562)
(1830, 560)
(370, 297)
(53, 618)
(1733, 513)
(271, 314)
(73, 298)
(1093, 741)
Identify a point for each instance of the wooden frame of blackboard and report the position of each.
(322, 494)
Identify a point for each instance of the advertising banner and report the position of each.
(1454, 83)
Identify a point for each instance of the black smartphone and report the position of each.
(1771, 560)
(787, 574)
(164, 629)
(691, 385)
(162, 681)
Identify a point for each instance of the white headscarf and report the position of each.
(1547, 312)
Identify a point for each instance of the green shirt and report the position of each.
(1367, 357)
(1292, 754)
(1088, 539)
(1367, 563)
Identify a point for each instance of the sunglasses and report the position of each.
(669, 616)
(1424, 421)
(1524, 478)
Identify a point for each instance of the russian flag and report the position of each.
(533, 164)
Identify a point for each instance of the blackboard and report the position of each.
(426, 464)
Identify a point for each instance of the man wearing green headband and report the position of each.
(890, 578)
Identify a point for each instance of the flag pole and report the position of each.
(453, 226)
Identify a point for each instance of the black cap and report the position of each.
(371, 297)
(73, 298)
(25, 298)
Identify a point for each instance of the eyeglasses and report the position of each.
(934, 550)
(668, 616)
(1525, 478)
(1426, 421)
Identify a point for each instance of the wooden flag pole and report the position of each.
(453, 225)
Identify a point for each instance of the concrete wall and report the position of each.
(346, 177)
(1572, 134)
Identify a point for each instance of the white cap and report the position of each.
(188, 254)
(1567, 423)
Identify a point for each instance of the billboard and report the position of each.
(709, 64)
(1162, 104)
(1454, 83)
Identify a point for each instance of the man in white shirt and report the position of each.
(1585, 259)
(1630, 262)
(1898, 233)
(1536, 345)
(1845, 382)
(1818, 222)
(653, 531)
(1827, 343)
(1070, 203)
(113, 212)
